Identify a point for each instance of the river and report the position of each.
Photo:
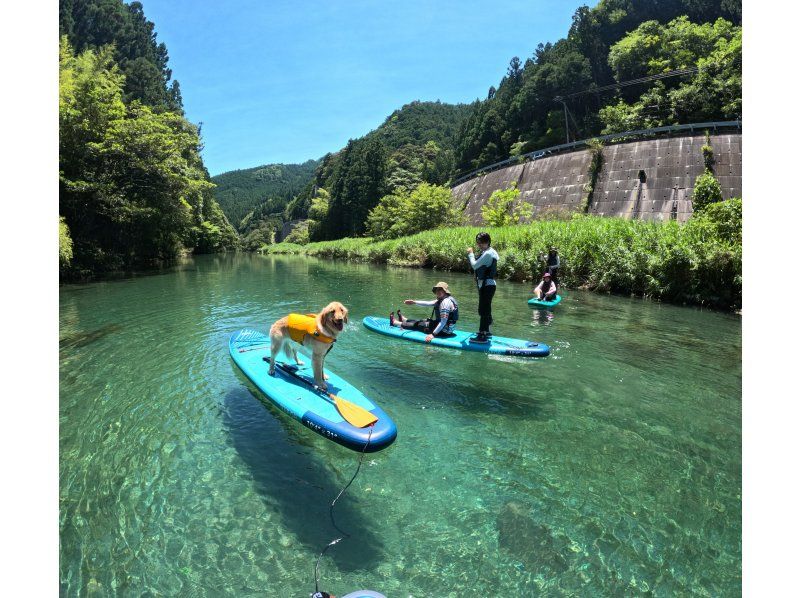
(611, 467)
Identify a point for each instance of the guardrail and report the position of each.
(619, 137)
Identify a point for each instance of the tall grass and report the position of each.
(697, 263)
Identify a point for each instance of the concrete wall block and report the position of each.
(670, 164)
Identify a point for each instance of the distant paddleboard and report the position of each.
(544, 304)
(497, 345)
(292, 389)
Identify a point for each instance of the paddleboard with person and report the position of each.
(545, 293)
(443, 317)
(485, 267)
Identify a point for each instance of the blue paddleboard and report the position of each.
(291, 389)
(497, 344)
(544, 304)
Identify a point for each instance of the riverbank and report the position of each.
(697, 263)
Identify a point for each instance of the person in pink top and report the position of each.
(546, 290)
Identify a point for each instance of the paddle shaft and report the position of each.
(352, 413)
(303, 380)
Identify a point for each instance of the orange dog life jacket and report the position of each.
(300, 325)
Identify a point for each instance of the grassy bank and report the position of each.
(696, 263)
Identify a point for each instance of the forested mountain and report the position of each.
(615, 42)
(133, 190)
(414, 144)
(239, 192)
(420, 122)
(618, 40)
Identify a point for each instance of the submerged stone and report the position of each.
(532, 543)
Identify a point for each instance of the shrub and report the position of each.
(64, 243)
(724, 218)
(706, 191)
(299, 234)
(708, 153)
(503, 208)
(698, 262)
(404, 213)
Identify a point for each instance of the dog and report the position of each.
(316, 332)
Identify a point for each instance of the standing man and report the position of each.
(485, 268)
(553, 264)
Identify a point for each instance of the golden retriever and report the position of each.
(329, 323)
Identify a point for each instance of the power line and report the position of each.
(675, 73)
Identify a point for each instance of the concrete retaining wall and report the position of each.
(651, 179)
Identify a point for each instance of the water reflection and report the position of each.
(541, 317)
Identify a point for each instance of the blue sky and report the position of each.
(276, 81)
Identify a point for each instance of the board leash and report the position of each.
(330, 512)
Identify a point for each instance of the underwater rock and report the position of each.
(532, 543)
(81, 339)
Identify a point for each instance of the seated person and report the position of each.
(443, 318)
(546, 291)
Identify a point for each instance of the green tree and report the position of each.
(133, 188)
(299, 234)
(503, 208)
(359, 183)
(715, 92)
(319, 205)
(92, 24)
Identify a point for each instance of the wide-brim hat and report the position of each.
(441, 285)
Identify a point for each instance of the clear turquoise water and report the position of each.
(612, 467)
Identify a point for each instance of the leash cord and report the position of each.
(333, 521)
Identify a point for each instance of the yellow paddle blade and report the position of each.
(352, 413)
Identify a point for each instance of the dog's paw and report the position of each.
(300, 362)
(271, 371)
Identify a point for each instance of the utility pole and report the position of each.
(566, 122)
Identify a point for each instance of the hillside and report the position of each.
(239, 192)
(418, 141)
(420, 122)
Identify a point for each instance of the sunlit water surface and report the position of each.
(612, 467)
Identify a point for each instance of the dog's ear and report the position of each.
(326, 311)
(345, 314)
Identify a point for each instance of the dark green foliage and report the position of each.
(359, 181)
(521, 115)
(141, 59)
(133, 188)
(714, 93)
(420, 122)
(258, 237)
(263, 190)
(724, 218)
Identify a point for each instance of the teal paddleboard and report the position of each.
(544, 304)
(292, 389)
(497, 345)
